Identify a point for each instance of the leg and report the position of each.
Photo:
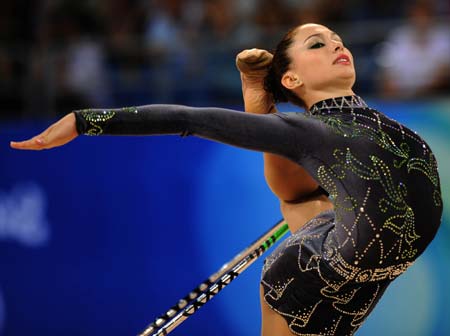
(273, 324)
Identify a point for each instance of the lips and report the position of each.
(342, 59)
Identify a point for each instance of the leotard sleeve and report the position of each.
(291, 136)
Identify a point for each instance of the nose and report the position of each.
(338, 47)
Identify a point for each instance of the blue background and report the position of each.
(105, 234)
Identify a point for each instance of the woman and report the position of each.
(384, 204)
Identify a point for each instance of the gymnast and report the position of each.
(360, 191)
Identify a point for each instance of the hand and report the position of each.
(56, 135)
(254, 65)
(254, 62)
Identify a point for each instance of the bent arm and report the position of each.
(288, 180)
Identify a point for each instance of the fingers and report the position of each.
(254, 55)
(254, 62)
(57, 134)
(37, 142)
(31, 144)
(249, 55)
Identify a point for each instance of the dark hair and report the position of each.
(280, 64)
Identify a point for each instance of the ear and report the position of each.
(291, 80)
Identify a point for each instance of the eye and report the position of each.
(317, 45)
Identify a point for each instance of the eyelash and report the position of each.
(317, 45)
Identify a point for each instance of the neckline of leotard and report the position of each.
(345, 103)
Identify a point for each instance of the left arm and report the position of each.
(291, 137)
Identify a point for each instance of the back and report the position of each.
(384, 182)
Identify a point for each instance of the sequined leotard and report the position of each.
(381, 177)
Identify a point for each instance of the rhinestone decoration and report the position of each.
(375, 237)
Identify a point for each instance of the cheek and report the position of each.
(312, 68)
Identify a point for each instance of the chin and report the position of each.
(347, 80)
(348, 72)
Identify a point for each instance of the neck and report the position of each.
(311, 98)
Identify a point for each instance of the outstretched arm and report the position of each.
(288, 136)
(287, 179)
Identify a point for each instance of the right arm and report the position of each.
(288, 180)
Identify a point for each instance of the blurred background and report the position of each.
(105, 234)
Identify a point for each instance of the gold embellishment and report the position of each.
(339, 296)
(96, 120)
(361, 314)
(301, 317)
(328, 331)
(437, 198)
(354, 129)
(402, 223)
(130, 110)
(276, 291)
(351, 272)
(428, 168)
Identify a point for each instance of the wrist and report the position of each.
(259, 103)
(253, 84)
(256, 79)
(80, 123)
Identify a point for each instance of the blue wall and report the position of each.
(104, 234)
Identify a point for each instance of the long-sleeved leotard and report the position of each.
(381, 177)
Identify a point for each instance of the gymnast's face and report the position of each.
(319, 61)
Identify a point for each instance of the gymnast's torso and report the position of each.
(346, 257)
(381, 178)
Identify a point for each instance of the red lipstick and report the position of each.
(342, 59)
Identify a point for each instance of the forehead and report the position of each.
(306, 30)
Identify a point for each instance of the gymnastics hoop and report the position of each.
(188, 305)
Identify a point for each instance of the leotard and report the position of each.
(381, 177)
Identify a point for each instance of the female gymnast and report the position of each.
(360, 191)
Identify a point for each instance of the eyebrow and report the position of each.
(321, 34)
